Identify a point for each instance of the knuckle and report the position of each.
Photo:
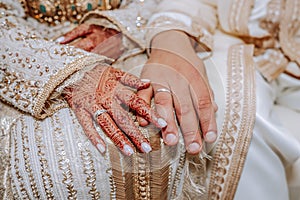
(172, 129)
(162, 100)
(184, 109)
(190, 136)
(204, 103)
(204, 124)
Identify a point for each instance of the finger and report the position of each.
(131, 80)
(146, 95)
(91, 41)
(84, 118)
(111, 47)
(87, 123)
(86, 44)
(113, 132)
(140, 106)
(127, 125)
(79, 31)
(207, 119)
(188, 119)
(206, 112)
(164, 107)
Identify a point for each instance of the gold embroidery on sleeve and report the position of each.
(39, 110)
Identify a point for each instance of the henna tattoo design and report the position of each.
(102, 88)
(95, 38)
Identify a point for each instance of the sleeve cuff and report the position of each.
(49, 99)
(165, 21)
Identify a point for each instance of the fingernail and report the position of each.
(210, 136)
(194, 147)
(128, 150)
(171, 139)
(162, 123)
(145, 80)
(60, 39)
(146, 147)
(101, 148)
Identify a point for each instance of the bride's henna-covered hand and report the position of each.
(99, 97)
(95, 38)
(179, 83)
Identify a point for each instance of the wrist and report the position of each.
(177, 43)
(173, 41)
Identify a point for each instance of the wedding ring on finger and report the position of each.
(99, 112)
(163, 90)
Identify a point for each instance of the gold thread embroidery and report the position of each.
(63, 162)
(88, 165)
(142, 176)
(90, 172)
(289, 25)
(7, 118)
(160, 165)
(46, 177)
(15, 165)
(122, 173)
(55, 80)
(112, 185)
(12, 85)
(26, 149)
(273, 17)
(178, 173)
(238, 124)
(239, 14)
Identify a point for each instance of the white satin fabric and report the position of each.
(272, 167)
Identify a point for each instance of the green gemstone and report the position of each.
(89, 7)
(73, 7)
(43, 8)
